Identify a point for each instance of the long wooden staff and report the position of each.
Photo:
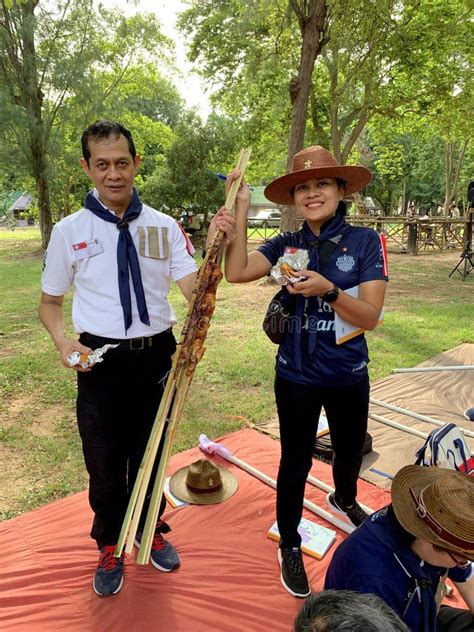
(190, 350)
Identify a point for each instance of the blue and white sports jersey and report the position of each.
(309, 353)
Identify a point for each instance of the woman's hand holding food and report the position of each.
(313, 285)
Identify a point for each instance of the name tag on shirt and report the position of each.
(85, 249)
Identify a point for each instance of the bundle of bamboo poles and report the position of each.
(188, 353)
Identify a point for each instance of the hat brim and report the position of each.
(279, 191)
(417, 477)
(179, 488)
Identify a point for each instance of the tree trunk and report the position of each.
(449, 166)
(24, 85)
(457, 171)
(44, 205)
(404, 197)
(312, 22)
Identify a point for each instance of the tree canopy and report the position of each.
(382, 82)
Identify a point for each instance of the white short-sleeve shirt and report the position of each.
(82, 253)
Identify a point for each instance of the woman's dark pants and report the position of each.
(299, 407)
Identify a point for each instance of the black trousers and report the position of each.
(117, 404)
(299, 407)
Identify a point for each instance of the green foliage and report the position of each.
(61, 68)
(250, 51)
(392, 89)
(383, 60)
(188, 179)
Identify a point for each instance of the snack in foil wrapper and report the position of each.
(286, 269)
(86, 360)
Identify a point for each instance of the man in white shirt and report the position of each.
(120, 256)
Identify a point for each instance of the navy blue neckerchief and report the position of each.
(126, 256)
(332, 230)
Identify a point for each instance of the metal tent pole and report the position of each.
(211, 447)
(430, 369)
(394, 424)
(410, 413)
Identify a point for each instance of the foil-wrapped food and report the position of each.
(86, 360)
(286, 270)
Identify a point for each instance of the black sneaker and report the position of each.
(293, 576)
(355, 513)
(108, 578)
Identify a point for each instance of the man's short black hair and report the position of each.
(346, 611)
(105, 129)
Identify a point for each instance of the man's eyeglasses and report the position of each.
(459, 561)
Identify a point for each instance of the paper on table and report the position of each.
(345, 331)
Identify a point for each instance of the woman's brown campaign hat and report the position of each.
(437, 505)
(203, 483)
(316, 162)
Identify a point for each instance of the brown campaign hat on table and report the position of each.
(316, 162)
(203, 483)
(437, 505)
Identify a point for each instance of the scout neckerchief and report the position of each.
(126, 256)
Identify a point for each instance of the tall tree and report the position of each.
(254, 39)
(50, 50)
(379, 58)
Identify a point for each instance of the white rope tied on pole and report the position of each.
(410, 413)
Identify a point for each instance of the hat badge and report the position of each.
(210, 482)
(308, 164)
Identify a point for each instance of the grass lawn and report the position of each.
(425, 313)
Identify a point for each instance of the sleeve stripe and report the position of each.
(383, 243)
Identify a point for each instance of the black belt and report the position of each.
(129, 344)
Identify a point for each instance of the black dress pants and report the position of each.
(117, 402)
(299, 407)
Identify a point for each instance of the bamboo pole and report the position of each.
(184, 363)
(137, 497)
(430, 369)
(409, 413)
(153, 510)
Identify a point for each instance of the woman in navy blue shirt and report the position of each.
(313, 371)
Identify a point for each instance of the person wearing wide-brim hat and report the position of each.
(312, 369)
(403, 552)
